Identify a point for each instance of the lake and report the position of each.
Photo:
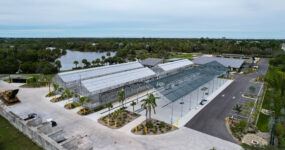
(68, 59)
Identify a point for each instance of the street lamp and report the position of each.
(181, 103)
(190, 101)
(171, 119)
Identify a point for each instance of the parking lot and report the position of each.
(211, 120)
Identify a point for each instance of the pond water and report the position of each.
(68, 59)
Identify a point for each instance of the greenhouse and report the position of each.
(175, 86)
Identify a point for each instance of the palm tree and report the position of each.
(109, 106)
(116, 115)
(149, 104)
(93, 62)
(58, 64)
(67, 93)
(75, 63)
(238, 108)
(55, 86)
(82, 101)
(121, 97)
(86, 63)
(133, 103)
(103, 57)
(228, 71)
(97, 61)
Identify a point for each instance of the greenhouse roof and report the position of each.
(234, 63)
(175, 86)
(97, 71)
(112, 81)
(175, 65)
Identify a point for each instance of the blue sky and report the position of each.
(143, 18)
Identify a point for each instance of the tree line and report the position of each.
(42, 60)
(13, 60)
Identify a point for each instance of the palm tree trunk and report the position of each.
(149, 113)
(146, 110)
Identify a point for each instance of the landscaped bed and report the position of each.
(85, 111)
(57, 99)
(153, 127)
(118, 118)
(71, 105)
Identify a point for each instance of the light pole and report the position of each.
(197, 98)
(171, 119)
(181, 103)
(190, 101)
(213, 85)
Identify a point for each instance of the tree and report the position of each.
(238, 108)
(97, 61)
(55, 86)
(121, 97)
(75, 63)
(108, 54)
(86, 63)
(149, 104)
(93, 62)
(58, 64)
(67, 93)
(133, 103)
(83, 100)
(109, 106)
(228, 71)
(103, 57)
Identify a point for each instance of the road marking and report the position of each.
(234, 97)
(223, 95)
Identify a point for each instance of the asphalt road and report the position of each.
(211, 120)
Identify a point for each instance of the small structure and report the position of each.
(9, 96)
(151, 62)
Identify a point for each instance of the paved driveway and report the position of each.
(211, 120)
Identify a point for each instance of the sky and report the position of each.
(143, 18)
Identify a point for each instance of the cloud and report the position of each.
(142, 17)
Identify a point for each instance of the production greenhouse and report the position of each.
(175, 86)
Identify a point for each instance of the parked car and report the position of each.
(203, 101)
(30, 116)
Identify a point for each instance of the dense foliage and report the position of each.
(34, 57)
(14, 60)
(275, 96)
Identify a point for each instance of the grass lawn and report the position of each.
(12, 139)
(182, 55)
(268, 99)
(262, 123)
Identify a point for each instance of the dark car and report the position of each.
(53, 124)
(203, 101)
(30, 116)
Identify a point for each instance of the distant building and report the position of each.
(283, 47)
(50, 48)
